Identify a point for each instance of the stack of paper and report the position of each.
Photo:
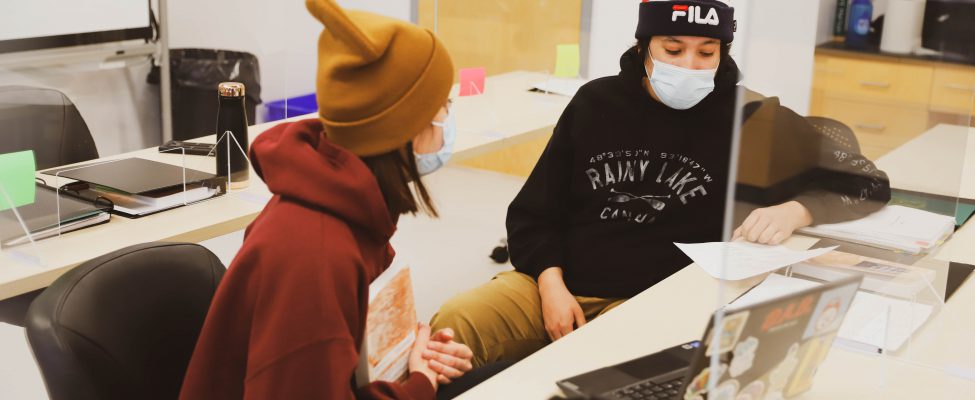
(879, 276)
(894, 227)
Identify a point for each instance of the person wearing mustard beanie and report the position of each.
(288, 319)
(640, 161)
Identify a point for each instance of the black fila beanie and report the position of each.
(706, 18)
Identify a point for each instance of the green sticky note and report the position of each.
(17, 179)
(567, 60)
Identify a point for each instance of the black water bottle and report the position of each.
(232, 117)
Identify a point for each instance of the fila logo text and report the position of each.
(693, 14)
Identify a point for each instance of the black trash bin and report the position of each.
(195, 74)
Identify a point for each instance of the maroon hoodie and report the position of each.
(288, 318)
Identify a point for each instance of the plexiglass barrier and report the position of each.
(860, 152)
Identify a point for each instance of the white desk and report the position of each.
(515, 112)
(940, 161)
(507, 113)
(665, 315)
(194, 223)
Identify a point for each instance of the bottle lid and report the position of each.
(231, 89)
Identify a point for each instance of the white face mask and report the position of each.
(680, 88)
(428, 163)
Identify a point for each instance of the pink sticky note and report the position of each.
(472, 81)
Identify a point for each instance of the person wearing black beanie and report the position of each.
(639, 161)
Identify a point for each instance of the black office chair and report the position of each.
(46, 121)
(124, 325)
(836, 131)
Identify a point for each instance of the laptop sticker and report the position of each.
(744, 356)
(788, 316)
(813, 354)
(753, 391)
(725, 391)
(731, 327)
(699, 385)
(829, 311)
(780, 375)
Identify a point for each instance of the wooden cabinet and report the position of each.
(953, 90)
(886, 100)
(879, 128)
(876, 82)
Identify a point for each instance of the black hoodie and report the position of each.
(625, 176)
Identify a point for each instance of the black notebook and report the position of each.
(41, 216)
(136, 175)
(139, 187)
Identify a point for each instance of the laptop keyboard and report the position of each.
(648, 390)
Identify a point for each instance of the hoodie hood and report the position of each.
(632, 72)
(298, 163)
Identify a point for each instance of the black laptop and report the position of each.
(769, 349)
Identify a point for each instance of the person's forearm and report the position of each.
(804, 218)
(551, 277)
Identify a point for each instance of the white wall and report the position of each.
(611, 33)
(121, 110)
(778, 46)
(780, 36)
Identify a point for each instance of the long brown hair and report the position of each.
(395, 171)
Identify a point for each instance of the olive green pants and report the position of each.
(502, 319)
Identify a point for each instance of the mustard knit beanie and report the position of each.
(380, 80)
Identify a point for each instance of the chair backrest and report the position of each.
(46, 121)
(836, 131)
(124, 325)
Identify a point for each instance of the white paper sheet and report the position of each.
(882, 322)
(564, 87)
(741, 260)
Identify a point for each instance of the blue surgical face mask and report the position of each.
(680, 88)
(428, 163)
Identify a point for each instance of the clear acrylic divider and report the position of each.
(17, 241)
(910, 324)
(232, 145)
(232, 187)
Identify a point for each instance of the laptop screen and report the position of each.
(772, 349)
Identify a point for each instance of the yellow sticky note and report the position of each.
(567, 60)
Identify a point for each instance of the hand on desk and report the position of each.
(773, 225)
(561, 312)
